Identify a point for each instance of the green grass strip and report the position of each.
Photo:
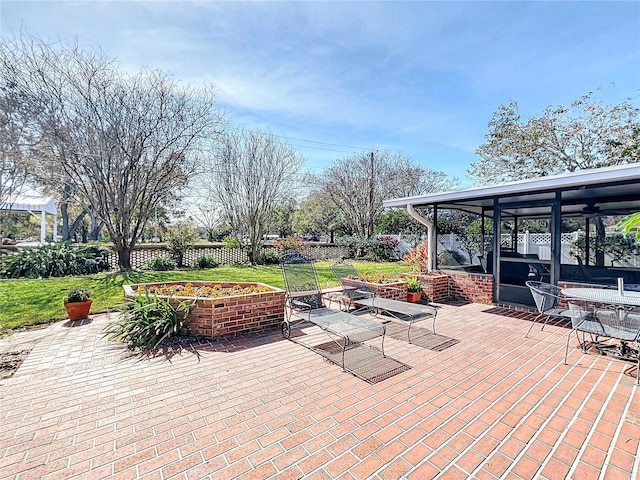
(32, 302)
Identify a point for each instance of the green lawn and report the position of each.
(32, 302)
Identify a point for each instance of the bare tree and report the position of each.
(250, 176)
(207, 216)
(125, 144)
(15, 140)
(357, 185)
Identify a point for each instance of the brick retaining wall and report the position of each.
(435, 285)
(443, 285)
(473, 287)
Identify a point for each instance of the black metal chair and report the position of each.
(547, 298)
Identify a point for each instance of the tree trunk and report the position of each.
(96, 226)
(65, 233)
(124, 259)
(83, 232)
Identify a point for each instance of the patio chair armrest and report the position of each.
(365, 293)
(300, 304)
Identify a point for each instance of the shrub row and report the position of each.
(56, 260)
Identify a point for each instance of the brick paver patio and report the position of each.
(494, 405)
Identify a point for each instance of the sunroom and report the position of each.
(559, 229)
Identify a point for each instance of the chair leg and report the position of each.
(434, 322)
(532, 324)
(566, 351)
(638, 366)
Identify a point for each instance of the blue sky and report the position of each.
(420, 78)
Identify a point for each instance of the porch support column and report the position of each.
(431, 237)
(556, 238)
(43, 225)
(55, 227)
(497, 218)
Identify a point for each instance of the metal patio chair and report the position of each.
(366, 299)
(304, 301)
(547, 298)
(608, 321)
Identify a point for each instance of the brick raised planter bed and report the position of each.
(214, 317)
(443, 285)
(393, 290)
(435, 286)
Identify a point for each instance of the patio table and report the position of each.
(623, 304)
(629, 299)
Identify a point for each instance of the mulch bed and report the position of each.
(10, 362)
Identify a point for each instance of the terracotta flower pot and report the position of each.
(78, 310)
(414, 297)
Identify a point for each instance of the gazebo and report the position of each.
(33, 204)
(575, 212)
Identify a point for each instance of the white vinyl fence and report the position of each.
(538, 244)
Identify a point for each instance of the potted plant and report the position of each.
(414, 289)
(78, 303)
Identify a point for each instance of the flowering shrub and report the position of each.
(287, 244)
(209, 291)
(382, 249)
(374, 278)
(417, 258)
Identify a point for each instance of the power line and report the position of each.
(313, 141)
(320, 148)
(323, 143)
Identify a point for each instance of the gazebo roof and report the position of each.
(30, 204)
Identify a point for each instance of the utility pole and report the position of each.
(371, 195)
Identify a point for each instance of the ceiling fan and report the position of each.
(591, 210)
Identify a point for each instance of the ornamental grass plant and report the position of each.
(148, 320)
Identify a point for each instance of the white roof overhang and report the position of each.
(614, 189)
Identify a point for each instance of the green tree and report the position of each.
(587, 134)
(180, 238)
(399, 222)
(317, 216)
(282, 218)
